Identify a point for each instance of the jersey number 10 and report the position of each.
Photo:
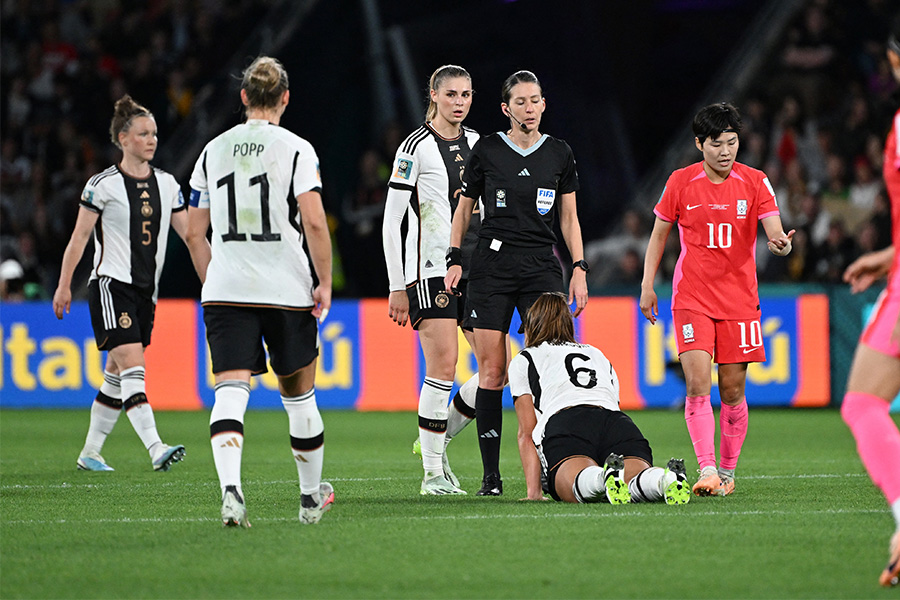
(233, 235)
(723, 239)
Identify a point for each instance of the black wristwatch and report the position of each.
(581, 264)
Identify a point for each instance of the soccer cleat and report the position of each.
(234, 513)
(674, 483)
(167, 456)
(891, 574)
(727, 485)
(614, 480)
(435, 484)
(92, 461)
(708, 484)
(491, 485)
(445, 462)
(310, 511)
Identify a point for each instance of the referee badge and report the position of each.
(501, 198)
(441, 300)
(545, 199)
(124, 321)
(146, 209)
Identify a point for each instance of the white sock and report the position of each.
(433, 422)
(307, 440)
(105, 413)
(895, 508)
(465, 398)
(226, 430)
(138, 408)
(589, 486)
(647, 486)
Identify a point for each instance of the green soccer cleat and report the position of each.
(614, 480)
(674, 482)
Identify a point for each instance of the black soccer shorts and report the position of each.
(429, 300)
(120, 313)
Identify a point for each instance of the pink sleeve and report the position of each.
(896, 133)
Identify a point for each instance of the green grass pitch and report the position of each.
(804, 522)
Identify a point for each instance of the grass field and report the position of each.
(804, 522)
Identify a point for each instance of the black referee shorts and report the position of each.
(590, 431)
(507, 279)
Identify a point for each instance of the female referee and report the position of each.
(525, 179)
(424, 186)
(128, 207)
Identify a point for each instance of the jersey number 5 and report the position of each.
(233, 235)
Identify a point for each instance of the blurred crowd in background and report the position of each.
(815, 122)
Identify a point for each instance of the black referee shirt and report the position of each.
(521, 189)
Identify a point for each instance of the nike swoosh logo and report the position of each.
(689, 207)
(749, 351)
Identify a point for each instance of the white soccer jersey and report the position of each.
(249, 178)
(424, 185)
(133, 228)
(559, 376)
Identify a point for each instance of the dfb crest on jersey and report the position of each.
(501, 198)
(687, 331)
(404, 167)
(441, 300)
(146, 209)
(742, 208)
(124, 321)
(545, 199)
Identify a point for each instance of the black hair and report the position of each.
(515, 78)
(712, 120)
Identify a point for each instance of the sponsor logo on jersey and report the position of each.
(404, 167)
(501, 198)
(142, 185)
(524, 173)
(687, 331)
(719, 206)
(124, 321)
(146, 210)
(742, 209)
(459, 158)
(180, 199)
(428, 264)
(441, 300)
(454, 148)
(145, 194)
(689, 207)
(545, 199)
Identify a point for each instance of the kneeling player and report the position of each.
(567, 404)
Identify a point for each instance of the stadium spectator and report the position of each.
(266, 278)
(427, 176)
(715, 303)
(874, 379)
(567, 406)
(526, 180)
(607, 254)
(124, 284)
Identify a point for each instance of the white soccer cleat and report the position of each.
(234, 512)
(311, 511)
(675, 487)
(166, 456)
(445, 462)
(92, 461)
(435, 484)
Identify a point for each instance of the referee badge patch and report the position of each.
(124, 321)
(403, 168)
(545, 199)
(441, 300)
(501, 198)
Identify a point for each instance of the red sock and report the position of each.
(701, 425)
(877, 440)
(733, 423)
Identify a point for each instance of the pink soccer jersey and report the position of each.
(717, 224)
(892, 182)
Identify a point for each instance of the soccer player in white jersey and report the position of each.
(266, 278)
(129, 208)
(567, 404)
(424, 188)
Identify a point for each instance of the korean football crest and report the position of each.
(742, 208)
(687, 332)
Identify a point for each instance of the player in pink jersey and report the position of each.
(874, 378)
(717, 203)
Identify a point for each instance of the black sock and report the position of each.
(489, 422)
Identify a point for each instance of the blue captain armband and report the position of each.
(197, 197)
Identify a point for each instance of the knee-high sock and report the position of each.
(462, 408)
(733, 423)
(226, 430)
(489, 420)
(877, 440)
(701, 425)
(138, 408)
(307, 440)
(589, 485)
(105, 412)
(433, 422)
(646, 486)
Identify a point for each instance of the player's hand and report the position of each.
(451, 279)
(398, 307)
(62, 301)
(649, 305)
(781, 245)
(321, 302)
(867, 269)
(578, 290)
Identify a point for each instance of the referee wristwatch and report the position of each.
(581, 264)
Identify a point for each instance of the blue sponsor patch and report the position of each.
(404, 168)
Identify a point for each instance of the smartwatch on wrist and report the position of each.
(581, 264)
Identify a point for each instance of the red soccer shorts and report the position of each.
(726, 341)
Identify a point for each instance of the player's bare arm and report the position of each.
(315, 226)
(779, 241)
(195, 239)
(531, 464)
(84, 225)
(571, 231)
(656, 246)
(869, 268)
(458, 227)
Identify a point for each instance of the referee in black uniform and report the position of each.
(525, 179)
